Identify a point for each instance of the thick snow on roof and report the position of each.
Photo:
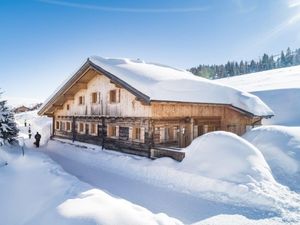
(284, 78)
(165, 83)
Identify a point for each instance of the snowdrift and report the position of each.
(226, 156)
(243, 180)
(281, 148)
(35, 190)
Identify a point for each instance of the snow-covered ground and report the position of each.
(35, 190)
(280, 146)
(223, 180)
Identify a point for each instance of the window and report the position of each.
(114, 96)
(81, 100)
(112, 131)
(136, 133)
(57, 125)
(68, 107)
(63, 126)
(93, 129)
(81, 127)
(68, 126)
(95, 97)
(87, 128)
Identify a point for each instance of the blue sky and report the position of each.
(43, 41)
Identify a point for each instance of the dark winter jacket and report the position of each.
(37, 137)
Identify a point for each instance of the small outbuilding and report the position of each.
(21, 109)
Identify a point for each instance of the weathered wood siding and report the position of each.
(230, 118)
(123, 142)
(127, 105)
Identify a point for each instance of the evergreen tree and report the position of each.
(282, 60)
(233, 68)
(265, 62)
(8, 126)
(289, 57)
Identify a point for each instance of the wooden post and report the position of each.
(191, 130)
(103, 128)
(53, 125)
(73, 129)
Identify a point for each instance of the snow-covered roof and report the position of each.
(164, 83)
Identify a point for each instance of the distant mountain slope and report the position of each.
(267, 80)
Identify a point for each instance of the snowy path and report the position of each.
(182, 206)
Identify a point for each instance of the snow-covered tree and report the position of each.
(8, 127)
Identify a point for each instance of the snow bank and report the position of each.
(226, 156)
(251, 185)
(169, 84)
(281, 148)
(35, 190)
(105, 209)
(241, 220)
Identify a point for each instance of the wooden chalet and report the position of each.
(146, 109)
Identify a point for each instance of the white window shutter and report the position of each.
(108, 97)
(117, 131)
(130, 133)
(108, 130)
(143, 134)
(99, 97)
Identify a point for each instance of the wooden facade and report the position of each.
(96, 107)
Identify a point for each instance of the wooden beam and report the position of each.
(116, 85)
(68, 97)
(58, 106)
(80, 85)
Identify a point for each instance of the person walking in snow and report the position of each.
(29, 132)
(25, 123)
(37, 139)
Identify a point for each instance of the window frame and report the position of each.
(117, 96)
(136, 133)
(57, 125)
(81, 100)
(95, 125)
(79, 126)
(112, 131)
(95, 98)
(68, 126)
